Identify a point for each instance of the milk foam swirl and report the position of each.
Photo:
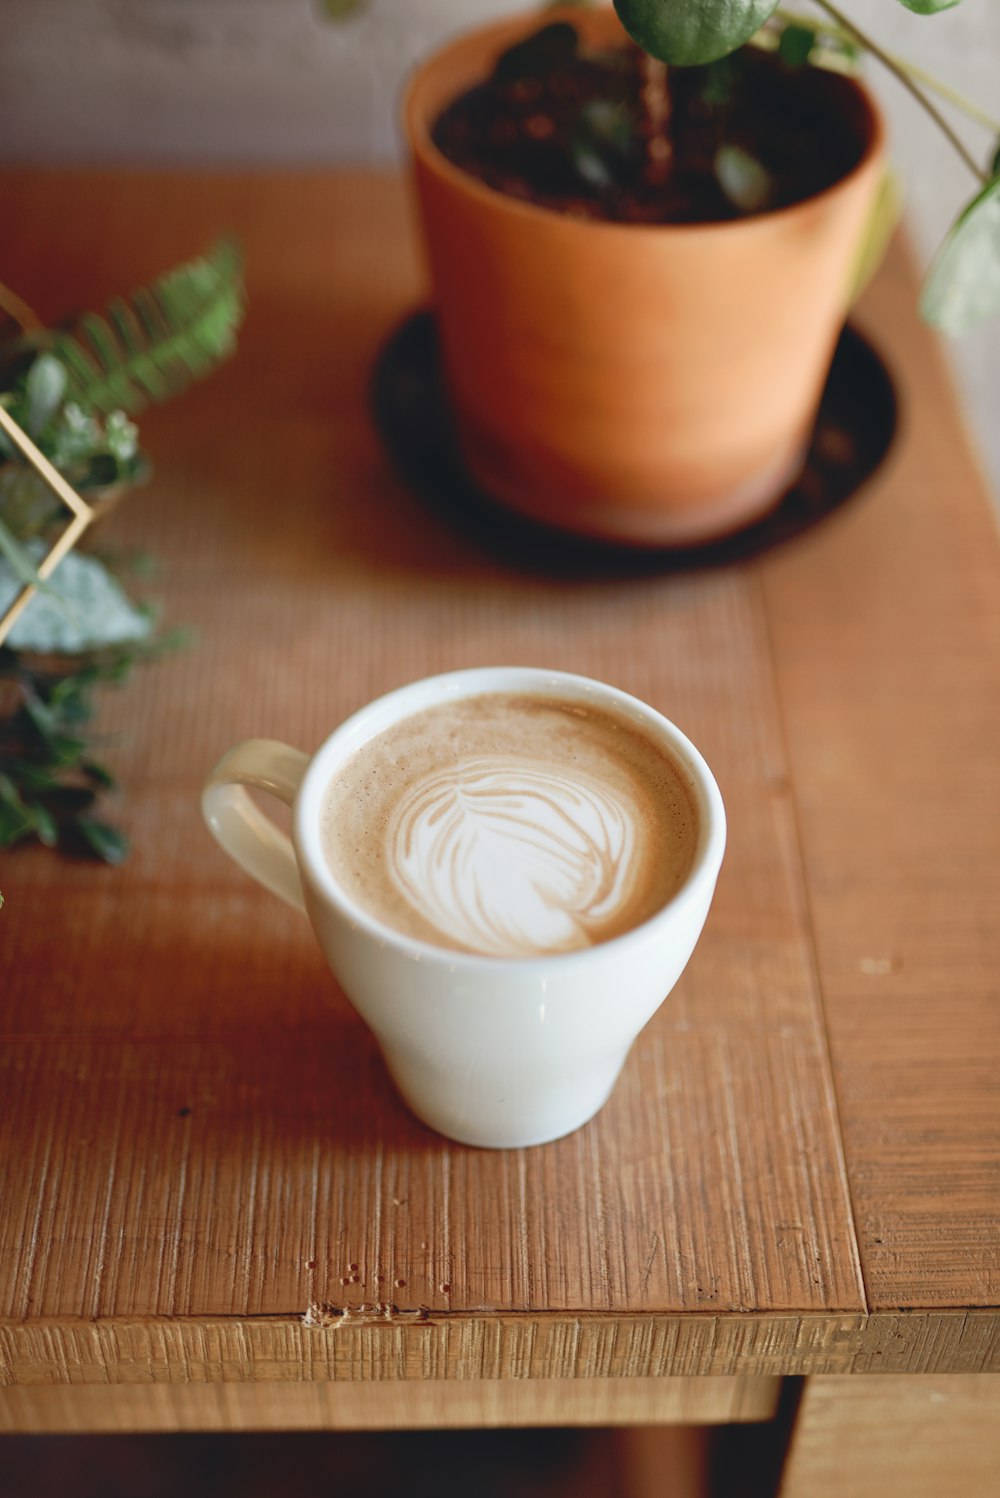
(511, 859)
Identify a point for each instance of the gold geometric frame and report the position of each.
(79, 509)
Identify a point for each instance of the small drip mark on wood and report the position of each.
(183, 1112)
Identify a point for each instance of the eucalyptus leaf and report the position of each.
(685, 33)
(82, 608)
(962, 287)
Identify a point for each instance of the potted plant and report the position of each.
(650, 373)
(73, 391)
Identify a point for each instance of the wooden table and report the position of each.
(216, 1212)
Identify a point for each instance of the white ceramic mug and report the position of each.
(496, 1052)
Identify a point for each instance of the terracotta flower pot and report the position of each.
(654, 384)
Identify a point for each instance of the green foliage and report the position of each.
(743, 179)
(604, 140)
(796, 44)
(50, 782)
(682, 32)
(91, 452)
(962, 287)
(150, 346)
(82, 608)
(689, 32)
(73, 390)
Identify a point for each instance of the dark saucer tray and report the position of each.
(853, 433)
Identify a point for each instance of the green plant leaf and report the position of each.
(27, 505)
(690, 32)
(602, 143)
(104, 840)
(795, 45)
(70, 801)
(743, 179)
(962, 287)
(152, 345)
(99, 774)
(82, 608)
(45, 387)
(928, 7)
(39, 779)
(64, 748)
(16, 821)
(45, 825)
(19, 565)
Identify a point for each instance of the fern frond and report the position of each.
(148, 347)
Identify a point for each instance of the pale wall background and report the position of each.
(270, 81)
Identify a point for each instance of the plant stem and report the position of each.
(904, 77)
(967, 106)
(656, 111)
(936, 85)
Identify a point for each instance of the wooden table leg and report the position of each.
(883, 1435)
(414, 1404)
(655, 1461)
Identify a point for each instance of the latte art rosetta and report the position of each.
(512, 859)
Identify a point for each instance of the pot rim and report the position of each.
(487, 37)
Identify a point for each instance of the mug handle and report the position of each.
(249, 837)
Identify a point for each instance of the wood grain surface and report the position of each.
(885, 640)
(926, 1437)
(200, 1139)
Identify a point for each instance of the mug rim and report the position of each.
(401, 702)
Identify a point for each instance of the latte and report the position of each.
(511, 825)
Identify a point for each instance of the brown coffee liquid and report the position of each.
(511, 825)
